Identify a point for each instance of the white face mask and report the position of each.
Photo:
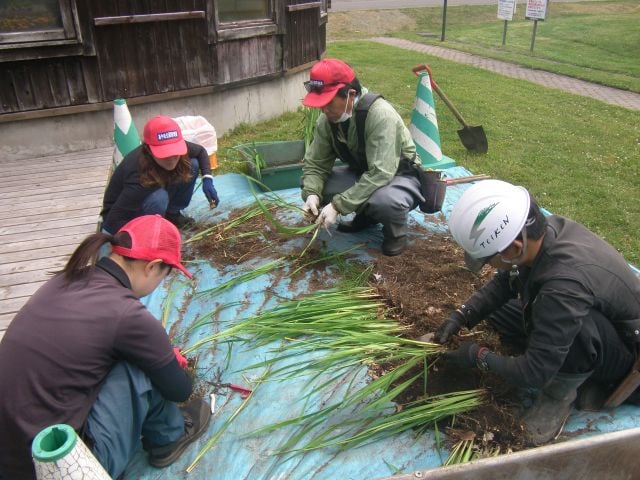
(346, 116)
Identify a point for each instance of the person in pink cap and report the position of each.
(363, 130)
(84, 351)
(158, 177)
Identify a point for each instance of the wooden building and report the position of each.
(62, 59)
(63, 62)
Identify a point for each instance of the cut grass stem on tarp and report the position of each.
(226, 424)
(462, 452)
(250, 275)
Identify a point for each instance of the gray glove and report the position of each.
(450, 326)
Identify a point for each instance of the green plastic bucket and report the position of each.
(283, 160)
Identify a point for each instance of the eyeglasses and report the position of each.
(316, 86)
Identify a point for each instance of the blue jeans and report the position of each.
(129, 407)
(173, 198)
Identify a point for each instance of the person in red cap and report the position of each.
(378, 182)
(158, 177)
(85, 352)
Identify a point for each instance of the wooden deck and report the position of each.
(47, 206)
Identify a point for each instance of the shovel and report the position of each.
(473, 138)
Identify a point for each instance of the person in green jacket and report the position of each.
(376, 182)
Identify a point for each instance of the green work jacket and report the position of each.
(387, 139)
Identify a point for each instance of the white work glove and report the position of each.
(328, 216)
(312, 204)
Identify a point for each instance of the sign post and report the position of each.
(506, 11)
(536, 10)
(444, 20)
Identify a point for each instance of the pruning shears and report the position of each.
(244, 392)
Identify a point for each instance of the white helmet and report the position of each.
(487, 218)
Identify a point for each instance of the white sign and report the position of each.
(506, 9)
(536, 9)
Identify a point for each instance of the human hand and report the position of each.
(464, 356)
(181, 359)
(328, 216)
(210, 191)
(450, 326)
(311, 204)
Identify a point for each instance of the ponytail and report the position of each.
(84, 257)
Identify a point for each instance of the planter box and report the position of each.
(283, 162)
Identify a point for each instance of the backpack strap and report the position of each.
(362, 110)
(358, 163)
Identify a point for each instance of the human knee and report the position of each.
(156, 202)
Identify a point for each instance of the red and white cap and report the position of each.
(152, 238)
(164, 137)
(326, 78)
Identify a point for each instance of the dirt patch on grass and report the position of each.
(421, 287)
(367, 23)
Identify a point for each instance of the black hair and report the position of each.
(354, 85)
(536, 223)
(85, 256)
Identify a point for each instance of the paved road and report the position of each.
(349, 5)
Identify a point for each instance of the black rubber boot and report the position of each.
(392, 246)
(179, 220)
(197, 414)
(359, 222)
(545, 419)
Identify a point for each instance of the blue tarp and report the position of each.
(237, 455)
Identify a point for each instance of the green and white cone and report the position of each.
(125, 134)
(58, 454)
(424, 124)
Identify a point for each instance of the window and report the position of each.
(243, 10)
(38, 22)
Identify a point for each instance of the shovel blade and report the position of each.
(474, 139)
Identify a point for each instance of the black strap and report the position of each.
(357, 163)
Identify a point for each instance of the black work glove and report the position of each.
(464, 357)
(450, 326)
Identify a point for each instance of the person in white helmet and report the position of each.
(562, 296)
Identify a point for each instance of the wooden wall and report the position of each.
(139, 59)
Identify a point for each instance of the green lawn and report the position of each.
(579, 157)
(595, 41)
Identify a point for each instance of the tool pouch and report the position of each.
(432, 187)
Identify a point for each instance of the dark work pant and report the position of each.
(388, 205)
(597, 347)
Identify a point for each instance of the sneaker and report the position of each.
(179, 220)
(197, 415)
(392, 246)
(359, 222)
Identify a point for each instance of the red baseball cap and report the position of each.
(164, 137)
(327, 77)
(152, 238)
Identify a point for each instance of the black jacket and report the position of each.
(574, 273)
(124, 195)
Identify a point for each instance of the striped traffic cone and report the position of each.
(58, 454)
(424, 126)
(125, 134)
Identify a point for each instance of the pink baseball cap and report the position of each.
(164, 137)
(326, 78)
(152, 237)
